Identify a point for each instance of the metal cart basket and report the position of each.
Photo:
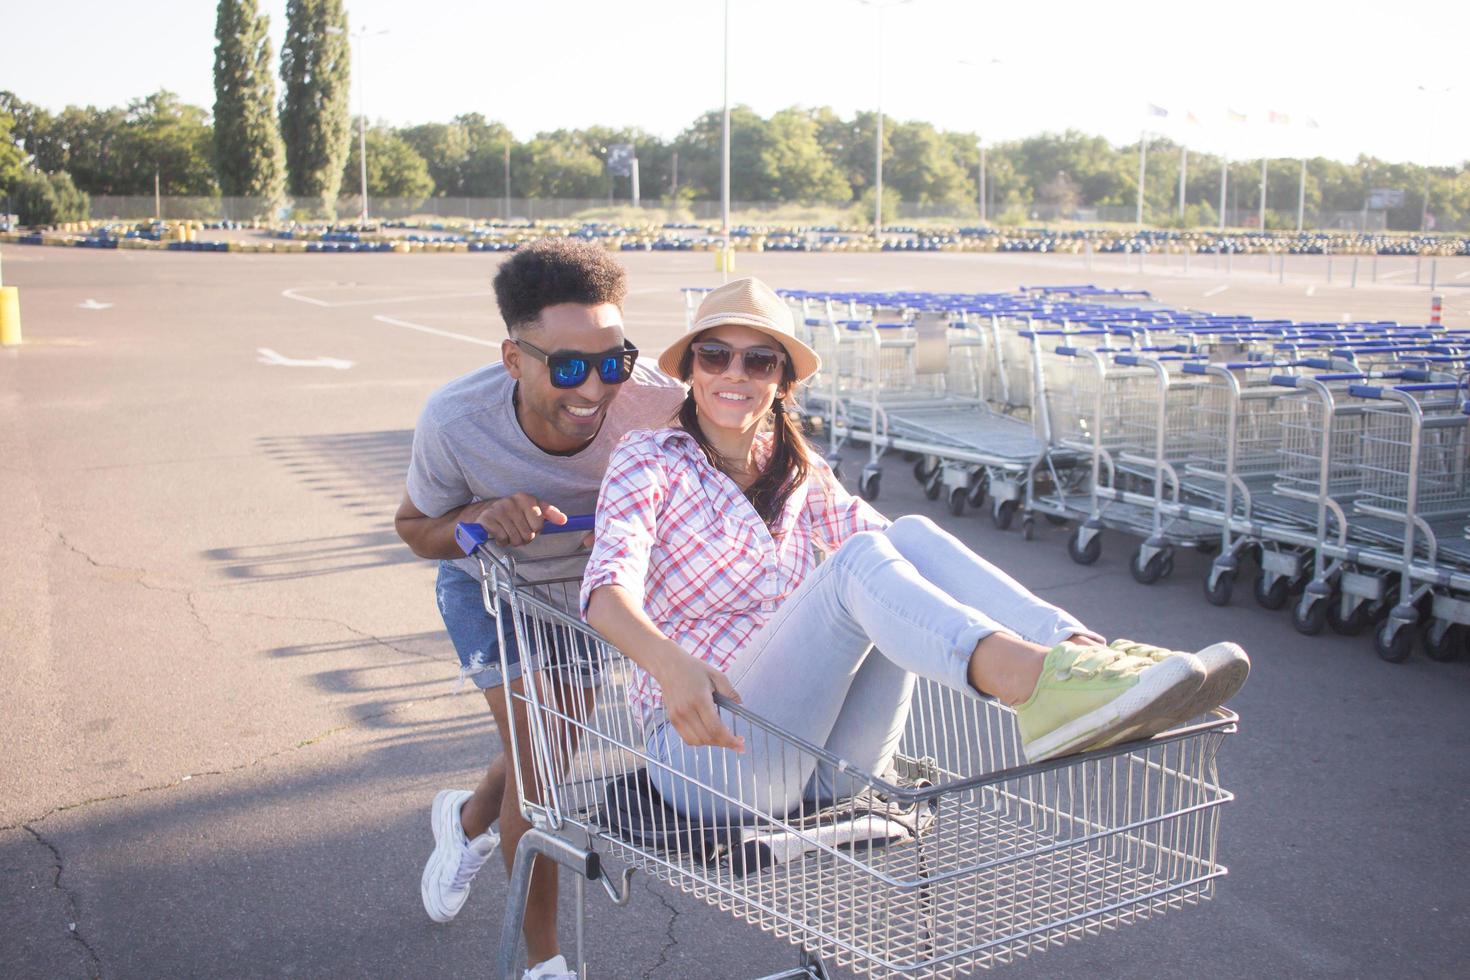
(960, 856)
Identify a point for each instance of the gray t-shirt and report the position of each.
(468, 446)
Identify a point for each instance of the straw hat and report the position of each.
(748, 303)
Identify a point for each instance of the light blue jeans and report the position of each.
(836, 666)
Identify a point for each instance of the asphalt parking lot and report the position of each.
(230, 700)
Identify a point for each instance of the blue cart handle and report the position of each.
(469, 536)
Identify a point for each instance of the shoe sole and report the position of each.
(1162, 692)
(1226, 668)
(441, 821)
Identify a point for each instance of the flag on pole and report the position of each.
(1280, 118)
(1154, 110)
(1234, 116)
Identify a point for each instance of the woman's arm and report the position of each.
(688, 683)
(837, 515)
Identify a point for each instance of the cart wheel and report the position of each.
(957, 497)
(1028, 528)
(1084, 554)
(1274, 596)
(1002, 512)
(1055, 520)
(1392, 644)
(869, 483)
(935, 484)
(1354, 624)
(1209, 548)
(1147, 573)
(1309, 621)
(1219, 593)
(1448, 647)
(1168, 563)
(922, 470)
(978, 491)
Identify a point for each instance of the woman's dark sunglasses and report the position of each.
(761, 363)
(571, 369)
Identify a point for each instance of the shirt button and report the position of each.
(768, 606)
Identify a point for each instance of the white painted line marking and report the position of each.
(1396, 272)
(1312, 289)
(1463, 274)
(92, 304)
(438, 333)
(1216, 291)
(268, 356)
(292, 294)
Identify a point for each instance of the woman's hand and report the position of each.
(689, 686)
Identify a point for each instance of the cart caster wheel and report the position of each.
(1309, 621)
(1273, 596)
(1168, 563)
(1055, 520)
(1084, 554)
(868, 485)
(977, 495)
(1351, 625)
(935, 484)
(1219, 594)
(922, 471)
(1002, 512)
(957, 497)
(1147, 573)
(1028, 528)
(1448, 647)
(1393, 645)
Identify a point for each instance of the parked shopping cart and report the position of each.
(960, 856)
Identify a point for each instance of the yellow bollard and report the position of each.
(9, 315)
(724, 259)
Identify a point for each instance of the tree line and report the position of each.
(252, 145)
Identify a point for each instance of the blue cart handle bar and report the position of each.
(469, 537)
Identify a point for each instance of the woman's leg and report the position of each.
(957, 571)
(799, 670)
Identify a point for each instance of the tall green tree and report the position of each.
(794, 165)
(315, 122)
(12, 158)
(249, 158)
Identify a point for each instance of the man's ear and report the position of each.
(510, 354)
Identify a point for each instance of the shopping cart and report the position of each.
(960, 856)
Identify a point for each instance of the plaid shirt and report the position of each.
(686, 544)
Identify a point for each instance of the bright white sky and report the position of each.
(1354, 67)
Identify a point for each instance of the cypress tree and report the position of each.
(249, 160)
(316, 127)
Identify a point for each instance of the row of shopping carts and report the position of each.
(1336, 456)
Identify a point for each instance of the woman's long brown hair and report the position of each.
(790, 454)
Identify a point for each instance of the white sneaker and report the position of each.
(1227, 666)
(553, 969)
(455, 861)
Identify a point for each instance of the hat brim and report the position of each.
(804, 360)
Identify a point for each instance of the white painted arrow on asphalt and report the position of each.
(92, 304)
(268, 356)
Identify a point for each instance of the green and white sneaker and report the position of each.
(1088, 695)
(1226, 668)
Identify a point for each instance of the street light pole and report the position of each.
(878, 141)
(361, 111)
(980, 142)
(725, 153)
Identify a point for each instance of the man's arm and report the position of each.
(510, 521)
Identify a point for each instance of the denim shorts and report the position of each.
(473, 632)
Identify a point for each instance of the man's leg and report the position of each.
(541, 898)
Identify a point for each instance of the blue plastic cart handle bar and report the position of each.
(471, 536)
(1434, 386)
(1067, 351)
(1365, 391)
(1129, 359)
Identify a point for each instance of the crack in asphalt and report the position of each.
(73, 915)
(671, 940)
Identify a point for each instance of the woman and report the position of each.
(703, 574)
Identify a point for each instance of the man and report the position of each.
(511, 446)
